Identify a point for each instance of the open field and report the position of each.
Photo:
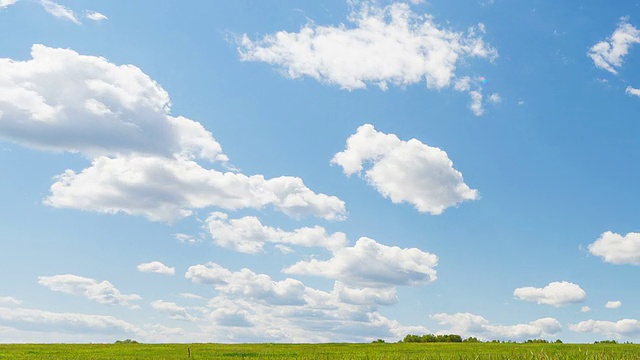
(441, 351)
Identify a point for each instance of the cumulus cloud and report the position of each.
(95, 16)
(585, 309)
(8, 300)
(370, 264)
(156, 267)
(186, 238)
(32, 319)
(248, 234)
(247, 284)
(101, 292)
(381, 45)
(166, 189)
(405, 171)
(467, 324)
(172, 310)
(632, 91)
(557, 293)
(59, 11)
(190, 296)
(476, 102)
(144, 159)
(63, 101)
(617, 249)
(609, 54)
(6, 3)
(613, 304)
(255, 307)
(621, 329)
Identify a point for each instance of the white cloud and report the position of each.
(156, 267)
(405, 171)
(476, 102)
(63, 101)
(620, 329)
(495, 98)
(33, 319)
(190, 296)
(101, 292)
(613, 304)
(556, 294)
(8, 300)
(166, 189)
(59, 11)
(370, 264)
(609, 54)
(585, 309)
(617, 249)
(254, 307)
(466, 324)
(632, 91)
(248, 235)
(384, 45)
(247, 284)
(187, 239)
(172, 310)
(95, 16)
(6, 3)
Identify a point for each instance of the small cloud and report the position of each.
(632, 91)
(521, 102)
(95, 16)
(186, 239)
(585, 309)
(156, 267)
(495, 98)
(613, 304)
(59, 11)
(8, 300)
(609, 54)
(556, 294)
(190, 296)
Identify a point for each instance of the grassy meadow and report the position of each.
(441, 351)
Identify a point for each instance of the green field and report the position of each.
(444, 351)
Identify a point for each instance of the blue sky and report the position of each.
(318, 171)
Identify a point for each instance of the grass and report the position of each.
(439, 351)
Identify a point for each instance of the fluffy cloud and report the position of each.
(6, 3)
(370, 264)
(144, 158)
(405, 171)
(8, 300)
(248, 235)
(172, 310)
(166, 189)
(467, 324)
(613, 304)
(632, 91)
(254, 307)
(63, 322)
(95, 16)
(585, 309)
(620, 329)
(156, 267)
(59, 11)
(556, 294)
(101, 292)
(385, 45)
(617, 249)
(247, 284)
(609, 54)
(63, 101)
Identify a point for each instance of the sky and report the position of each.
(319, 171)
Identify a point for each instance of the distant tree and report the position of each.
(558, 341)
(127, 341)
(606, 342)
(379, 341)
(471, 340)
(536, 341)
